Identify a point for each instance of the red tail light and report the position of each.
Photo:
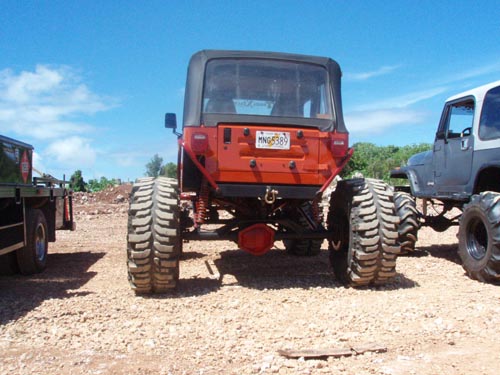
(339, 143)
(199, 143)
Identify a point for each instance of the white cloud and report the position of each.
(128, 159)
(473, 72)
(375, 122)
(26, 85)
(38, 162)
(375, 73)
(402, 101)
(379, 116)
(46, 103)
(72, 152)
(49, 104)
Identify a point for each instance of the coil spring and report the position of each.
(202, 203)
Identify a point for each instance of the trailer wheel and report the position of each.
(479, 237)
(363, 220)
(153, 241)
(409, 225)
(304, 247)
(32, 258)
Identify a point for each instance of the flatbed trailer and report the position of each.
(31, 210)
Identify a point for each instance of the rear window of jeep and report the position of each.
(266, 88)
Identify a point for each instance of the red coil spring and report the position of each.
(202, 203)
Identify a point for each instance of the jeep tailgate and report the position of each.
(272, 154)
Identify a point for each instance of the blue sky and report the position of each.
(88, 82)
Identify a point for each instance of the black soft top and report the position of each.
(195, 81)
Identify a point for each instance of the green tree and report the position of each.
(360, 159)
(169, 170)
(377, 161)
(76, 181)
(101, 184)
(153, 168)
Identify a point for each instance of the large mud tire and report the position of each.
(32, 258)
(363, 219)
(479, 237)
(153, 241)
(409, 224)
(303, 247)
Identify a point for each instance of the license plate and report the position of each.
(272, 140)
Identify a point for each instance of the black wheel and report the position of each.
(154, 243)
(409, 224)
(32, 258)
(363, 219)
(479, 237)
(304, 217)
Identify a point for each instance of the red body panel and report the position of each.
(236, 159)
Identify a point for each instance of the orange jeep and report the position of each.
(263, 136)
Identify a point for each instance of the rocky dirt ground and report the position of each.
(81, 317)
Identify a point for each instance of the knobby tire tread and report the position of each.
(486, 208)
(365, 245)
(153, 241)
(409, 225)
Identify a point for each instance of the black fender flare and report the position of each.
(410, 175)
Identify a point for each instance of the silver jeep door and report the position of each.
(453, 147)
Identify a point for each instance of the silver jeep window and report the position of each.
(266, 88)
(459, 116)
(489, 123)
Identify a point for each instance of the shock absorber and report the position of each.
(202, 203)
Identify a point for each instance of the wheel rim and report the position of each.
(40, 243)
(477, 239)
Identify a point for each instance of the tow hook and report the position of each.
(270, 196)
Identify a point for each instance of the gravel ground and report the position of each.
(81, 317)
